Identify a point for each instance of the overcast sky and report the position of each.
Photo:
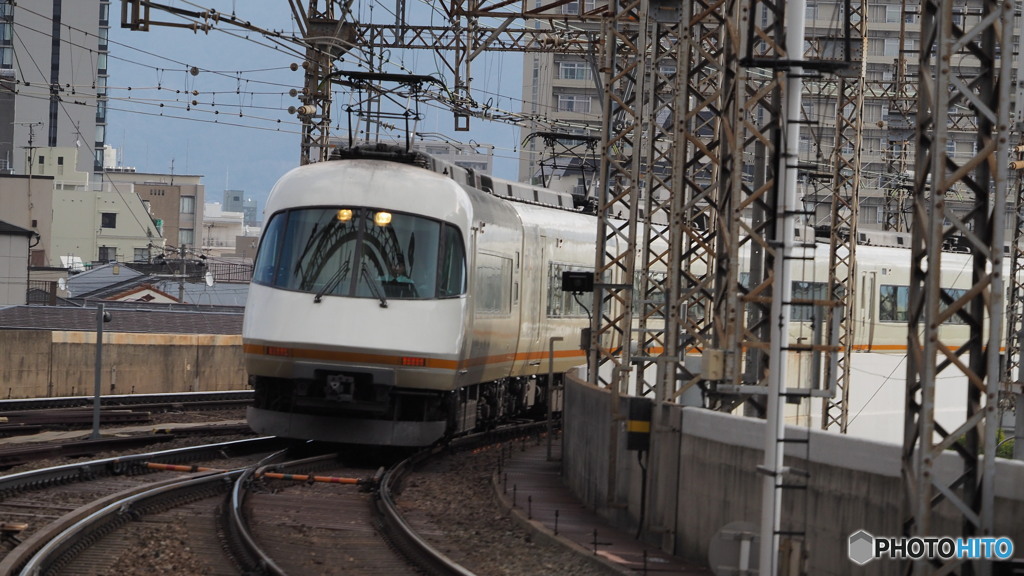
(239, 134)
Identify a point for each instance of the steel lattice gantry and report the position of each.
(327, 36)
(1013, 399)
(984, 88)
(1012, 389)
(902, 98)
(653, 255)
(846, 179)
(749, 139)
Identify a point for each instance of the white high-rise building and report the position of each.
(53, 78)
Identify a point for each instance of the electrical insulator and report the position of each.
(1017, 165)
(306, 110)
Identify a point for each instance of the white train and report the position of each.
(397, 299)
(393, 304)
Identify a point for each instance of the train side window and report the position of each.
(893, 303)
(953, 294)
(563, 304)
(655, 296)
(493, 290)
(810, 291)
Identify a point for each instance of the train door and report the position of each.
(532, 279)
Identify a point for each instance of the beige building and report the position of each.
(104, 225)
(77, 222)
(176, 202)
(58, 162)
(14, 246)
(27, 201)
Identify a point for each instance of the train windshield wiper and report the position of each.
(333, 282)
(378, 292)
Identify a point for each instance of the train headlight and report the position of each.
(344, 215)
(382, 218)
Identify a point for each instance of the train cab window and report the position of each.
(361, 252)
(452, 277)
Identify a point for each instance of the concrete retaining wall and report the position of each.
(41, 363)
(703, 475)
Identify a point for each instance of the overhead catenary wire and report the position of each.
(444, 102)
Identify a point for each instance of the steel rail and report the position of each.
(395, 528)
(246, 552)
(124, 465)
(87, 524)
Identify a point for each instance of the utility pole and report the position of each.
(181, 279)
(31, 144)
(30, 161)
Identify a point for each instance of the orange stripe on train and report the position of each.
(391, 360)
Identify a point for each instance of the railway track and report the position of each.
(277, 514)
(31, 416)
(140, 402)
(38, 505)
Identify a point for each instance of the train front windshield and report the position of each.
(361, 252)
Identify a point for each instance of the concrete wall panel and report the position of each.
(703, 475)
(24, 363)
(587, 419)
(42, 363)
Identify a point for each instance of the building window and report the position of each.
(186, 237)
(574, 70)
(108, 220)
(574, 7)
(891, 47)
(574, 103)
(108, 254)
(188, 204)
(142, 254)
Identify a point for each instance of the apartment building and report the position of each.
(565, 93)
(53, 78)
